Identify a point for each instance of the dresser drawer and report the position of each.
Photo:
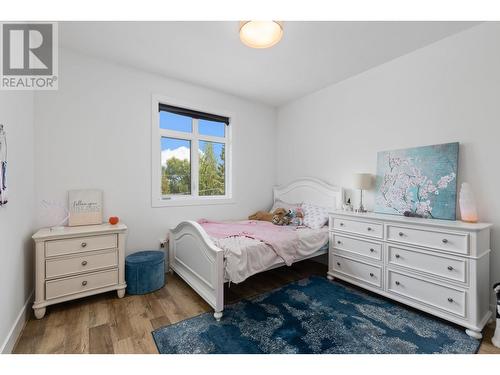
(442, 240)
(365, 272)
(354, 245)
(449, 268)
(423, 291)
(80, 244)
(359, 227)
(91, 261)
(79, 284)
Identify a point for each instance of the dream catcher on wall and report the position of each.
(3, 166)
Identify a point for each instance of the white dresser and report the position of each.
(437, 266)
(76, 262)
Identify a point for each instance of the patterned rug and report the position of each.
(315, 315)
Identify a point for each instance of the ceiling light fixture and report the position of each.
(261, 34)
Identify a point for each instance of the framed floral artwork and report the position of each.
(419, 181)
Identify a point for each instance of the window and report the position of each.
(191, 152)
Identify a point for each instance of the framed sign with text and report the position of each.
(85, 207)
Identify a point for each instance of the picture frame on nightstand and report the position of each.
(85, 207)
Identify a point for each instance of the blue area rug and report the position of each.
(315, 316)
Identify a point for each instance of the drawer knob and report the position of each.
(371, 274)
(369, 228)
(341, 224)
(450, 299)
(401, 234)
(397, 283)
(84, 263)
(339, 242)
(450, 268)
(338, 264)
(84, 244)
(397, 256)
(372, 250)
(445, 240)
(84, 283)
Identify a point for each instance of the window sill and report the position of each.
(192, 202)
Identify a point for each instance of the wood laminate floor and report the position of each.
(106, 324)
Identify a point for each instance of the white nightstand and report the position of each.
(76, 262)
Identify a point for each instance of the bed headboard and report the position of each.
(311, 190)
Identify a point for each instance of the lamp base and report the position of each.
(360, 209)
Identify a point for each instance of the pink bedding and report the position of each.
(283, 240)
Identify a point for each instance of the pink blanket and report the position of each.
(283, 240)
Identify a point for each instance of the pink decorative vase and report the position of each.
(468, 210)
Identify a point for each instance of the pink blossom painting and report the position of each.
(420, 181)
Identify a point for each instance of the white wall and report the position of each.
(95, 132)
(17, 217)
(448, 91)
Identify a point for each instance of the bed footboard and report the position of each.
(195, 258)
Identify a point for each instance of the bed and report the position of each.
(201, 263)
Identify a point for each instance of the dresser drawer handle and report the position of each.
(369, 229)
(445, 240)
(397, 283)
(84, 244)
(397, 256)
(401, 234)
(84, 263)
(341, 224)
(371, 274)
(372, 250)
(338, 264)
(450, 268)
(450, 300)
(84, 283)
(339, 242)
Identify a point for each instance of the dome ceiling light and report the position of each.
(261, 34)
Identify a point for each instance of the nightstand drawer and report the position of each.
(358, 246)
(359, 227)
(75, 245)
(423, 291)
(78, 284)
(453, 269)
(442, 240)
(92, 261)
(358, 270)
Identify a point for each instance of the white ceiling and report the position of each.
(310, 56)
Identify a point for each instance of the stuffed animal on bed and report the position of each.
(268, 216)
(296, 216)
(282, 218)
(292, 217)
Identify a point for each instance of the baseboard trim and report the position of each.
(15, 331)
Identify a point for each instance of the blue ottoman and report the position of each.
(145, 271)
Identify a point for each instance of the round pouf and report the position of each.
(145, 271)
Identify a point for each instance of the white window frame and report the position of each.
(159, 200)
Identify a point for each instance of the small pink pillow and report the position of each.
(287, 206)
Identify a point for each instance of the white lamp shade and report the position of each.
(362, 181)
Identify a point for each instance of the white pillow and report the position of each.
(315, 217)
(278, 203)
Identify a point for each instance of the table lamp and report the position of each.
(362, 181)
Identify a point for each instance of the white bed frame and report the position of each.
(196, 259)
